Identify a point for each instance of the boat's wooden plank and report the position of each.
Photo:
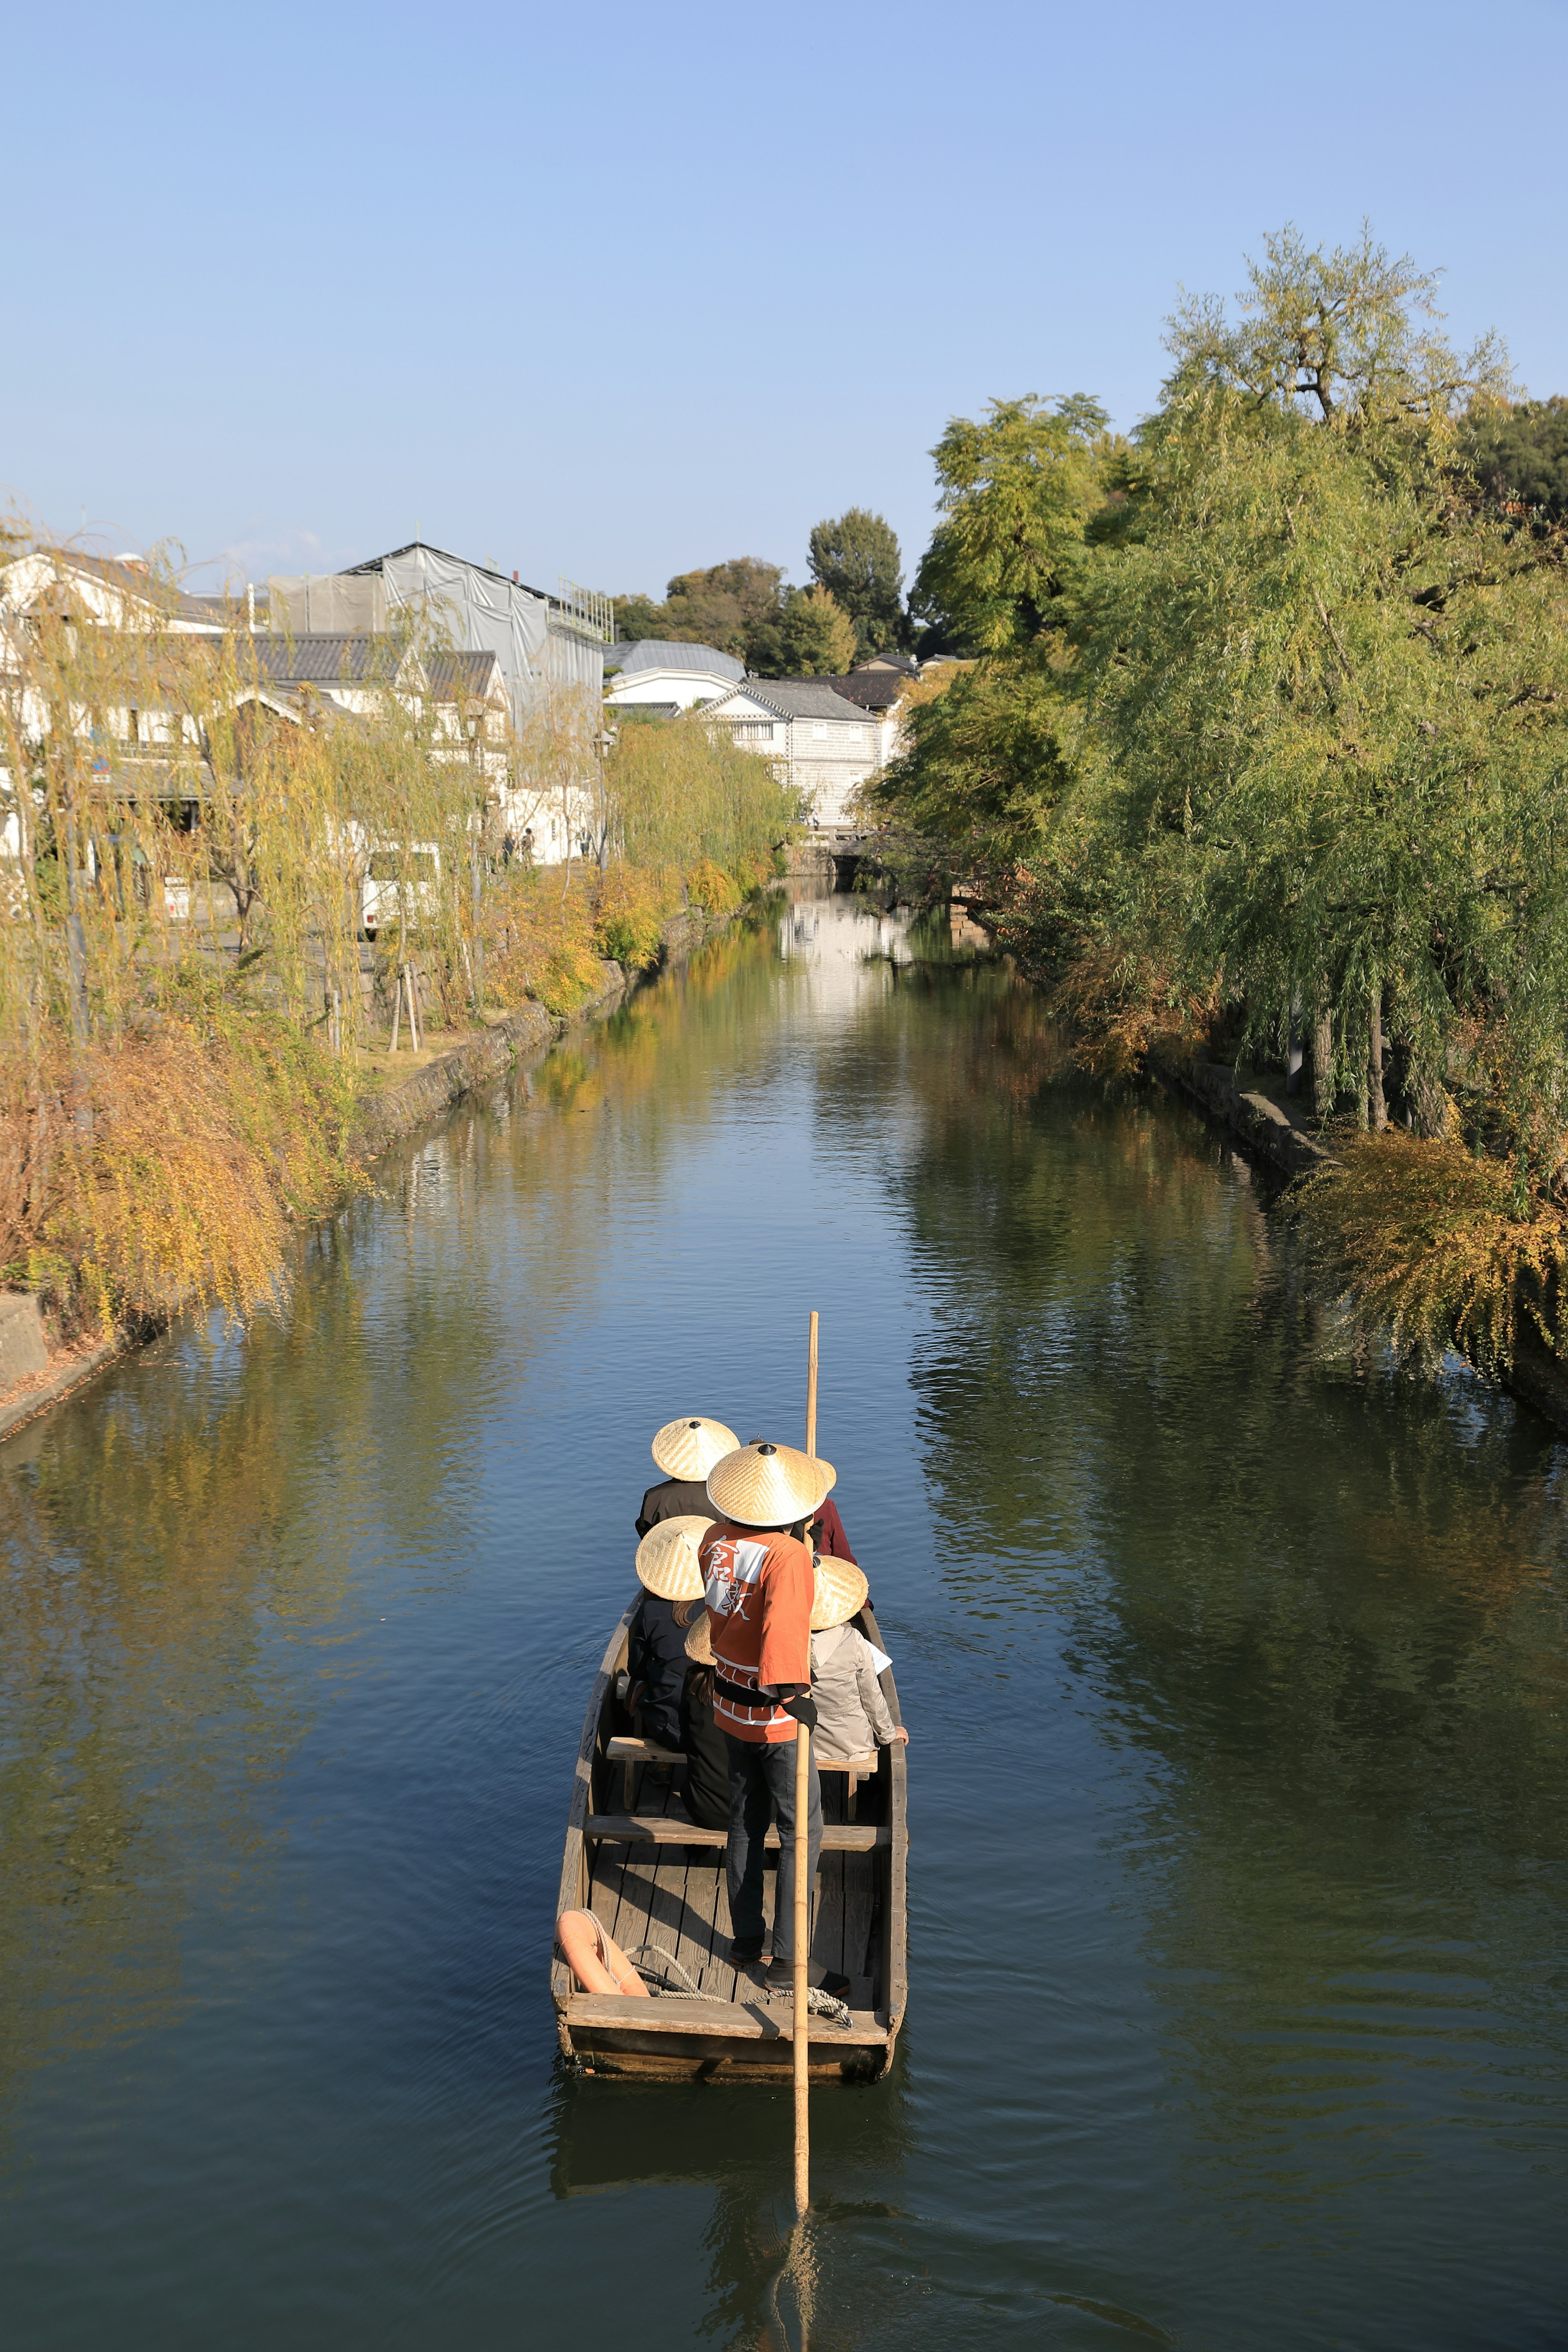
(751, 2020)
(837, 1837)
(827, 1927)
(572, 1861)
(605, 1882)
(720, 1977)
(892, 1970)
(667, 1901)
(626, 1748)
(860, 1913)
(695, 1948)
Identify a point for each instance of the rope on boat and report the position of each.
(818, 2002)
(660, 1977)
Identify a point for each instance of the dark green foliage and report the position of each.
(857, 560)
(721, 607)
(1520, 454)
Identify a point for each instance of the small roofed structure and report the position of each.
(663, 675)
(121, 592)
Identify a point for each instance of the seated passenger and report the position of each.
(668, 1708)
(852, 1715)
(685, 1450)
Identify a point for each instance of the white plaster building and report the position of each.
(818, 742)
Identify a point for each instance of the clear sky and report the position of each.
(620, 292)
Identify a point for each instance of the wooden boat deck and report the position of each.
(653, 1879)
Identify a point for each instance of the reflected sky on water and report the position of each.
(1235, 1672)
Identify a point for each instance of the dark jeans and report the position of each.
(762, 1776)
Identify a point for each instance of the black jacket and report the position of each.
(656, 1657)
(675, 1499)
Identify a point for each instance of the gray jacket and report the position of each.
(851, 1714)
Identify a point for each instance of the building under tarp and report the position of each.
(538, 640)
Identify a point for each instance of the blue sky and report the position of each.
(620, 292)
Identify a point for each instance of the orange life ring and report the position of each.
(594, 1958)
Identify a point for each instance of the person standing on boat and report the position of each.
(760, 1587)
(685, 1450)
(672, 1707)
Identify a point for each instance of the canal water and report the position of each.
(1234, 1670)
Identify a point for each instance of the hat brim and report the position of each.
(773, 1489)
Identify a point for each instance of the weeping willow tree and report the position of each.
(184, 877)
(682, 793)
(1328, 684)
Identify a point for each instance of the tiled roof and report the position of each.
(671, 653)
(873, 689)
(324, 660)
(802, 697)
(135, 579)
(462, 672)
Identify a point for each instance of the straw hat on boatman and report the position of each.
(685, 1450)
(760, 1588)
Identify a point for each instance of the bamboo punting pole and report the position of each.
(802, 1880)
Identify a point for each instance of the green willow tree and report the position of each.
(987, 758)
(1328, 687)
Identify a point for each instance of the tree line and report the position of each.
(854, 607)
(1261, 748)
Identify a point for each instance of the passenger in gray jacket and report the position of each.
(852, 1715)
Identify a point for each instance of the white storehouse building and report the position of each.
(818, 742)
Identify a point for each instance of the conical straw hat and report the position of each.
(666, 1558)
(837, 1593)
(689, 1449)
(698, 1642)
(763, 1485)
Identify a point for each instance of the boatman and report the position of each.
(759, 1587)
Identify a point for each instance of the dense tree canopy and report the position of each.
(723, 606)
(855, 558)
(1520, 454)
(1269, 721)
(807, 635)
(1017, 490)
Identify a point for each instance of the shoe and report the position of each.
(744, 1949)
(837, 1985)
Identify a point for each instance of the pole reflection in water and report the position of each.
(1234, 1673)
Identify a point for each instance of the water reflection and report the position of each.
(1236, 1680)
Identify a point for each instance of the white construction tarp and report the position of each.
(478, 609)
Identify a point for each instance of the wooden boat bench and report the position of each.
(631, 1753)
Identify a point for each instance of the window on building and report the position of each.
(754, 730)
(819, 731)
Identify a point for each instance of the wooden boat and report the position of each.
(652, 1877)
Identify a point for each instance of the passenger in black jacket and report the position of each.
(685, 1450)
(672, 1699)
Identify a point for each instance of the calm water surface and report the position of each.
(1236, 1677)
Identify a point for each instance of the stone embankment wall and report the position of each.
(33, 1375)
